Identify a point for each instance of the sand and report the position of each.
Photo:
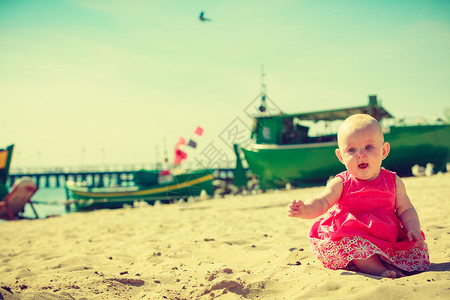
(241, 247)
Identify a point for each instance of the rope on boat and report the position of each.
(55, 202)
(103, 200)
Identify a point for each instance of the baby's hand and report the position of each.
(414, 235)
(296, 208)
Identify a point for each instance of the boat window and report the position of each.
(305, 123)
(266, 133)
(320, 128)
(293, 133)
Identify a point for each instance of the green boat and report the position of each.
(148, 188)
(283, 151)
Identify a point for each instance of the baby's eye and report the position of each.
(351, 150)
(369, 147)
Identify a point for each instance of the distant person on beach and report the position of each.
(372, 224)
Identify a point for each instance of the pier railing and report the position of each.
(98, 176)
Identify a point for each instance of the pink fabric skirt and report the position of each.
(338, 254)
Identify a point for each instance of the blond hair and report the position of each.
(358, 122)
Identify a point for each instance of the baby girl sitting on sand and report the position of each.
(373, 223)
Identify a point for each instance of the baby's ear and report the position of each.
(339, 155)
(386, 149)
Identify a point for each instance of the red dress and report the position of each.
(363, 223)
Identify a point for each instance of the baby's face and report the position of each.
(362, 151)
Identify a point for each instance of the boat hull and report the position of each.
(182, 187)
(307, 164)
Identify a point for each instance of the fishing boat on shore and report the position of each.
(151, 186)
(283, 150)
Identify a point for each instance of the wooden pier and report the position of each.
(99, 178)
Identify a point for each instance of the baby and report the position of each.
(373, 224)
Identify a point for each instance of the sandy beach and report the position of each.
(240, 247)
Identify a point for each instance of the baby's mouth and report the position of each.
(363, 165)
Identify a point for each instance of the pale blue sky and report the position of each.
(107, 81)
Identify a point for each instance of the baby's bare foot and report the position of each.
(397, 271)
(388, 274)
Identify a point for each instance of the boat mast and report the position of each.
(374, 108)
(263, 106)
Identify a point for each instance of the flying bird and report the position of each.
(202, 17)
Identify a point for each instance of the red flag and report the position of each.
(177, 160)
(179, 156)
(199, 131)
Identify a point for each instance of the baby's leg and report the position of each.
(374, 266)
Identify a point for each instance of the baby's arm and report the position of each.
(316, 206)
(408, 214)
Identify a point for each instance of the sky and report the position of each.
(111, 83)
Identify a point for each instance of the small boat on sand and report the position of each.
(149, 188)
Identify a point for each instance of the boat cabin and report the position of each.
(287, 129)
